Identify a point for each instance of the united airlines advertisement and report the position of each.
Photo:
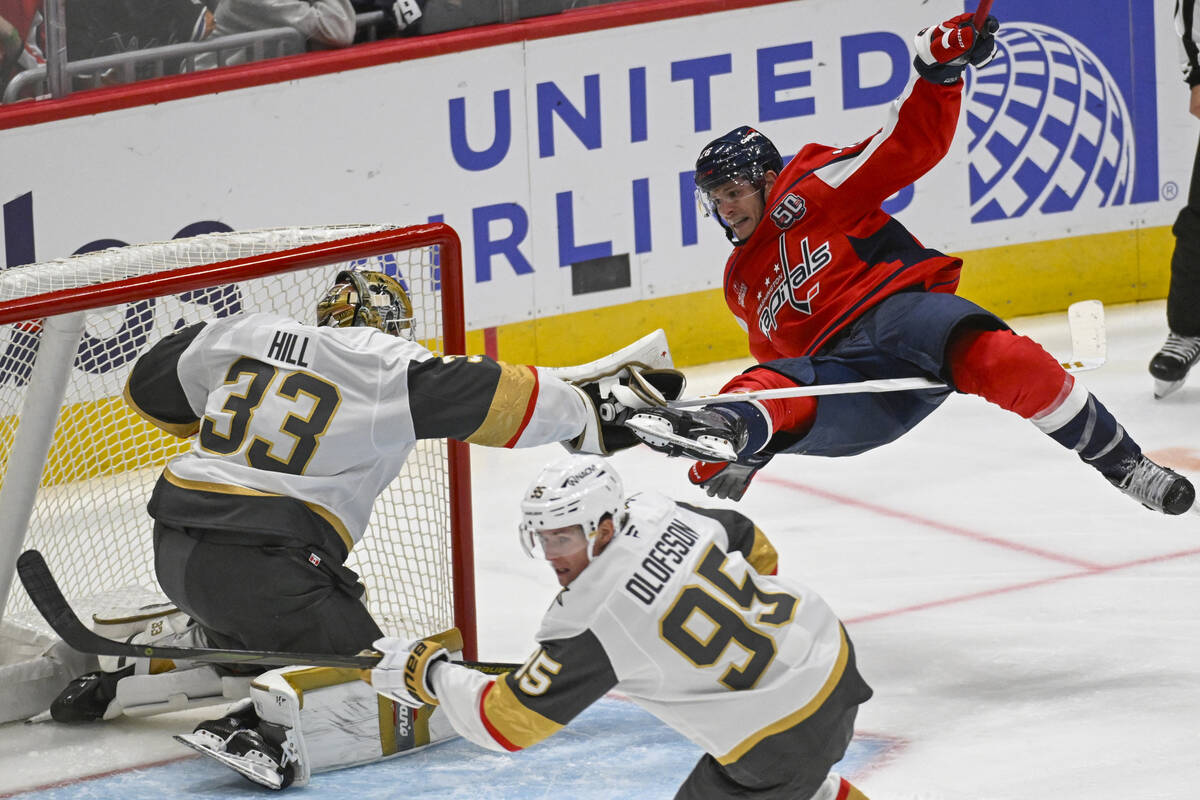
(565, 162)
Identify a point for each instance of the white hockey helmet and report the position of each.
(578, 490)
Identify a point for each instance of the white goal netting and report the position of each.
(64, 374)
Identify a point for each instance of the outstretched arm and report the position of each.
(479, 400)
(511, 711)
(921, 123)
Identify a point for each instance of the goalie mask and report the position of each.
(562, 509)
(736, 162)
(367, 299)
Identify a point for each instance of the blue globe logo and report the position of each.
(1050, 130)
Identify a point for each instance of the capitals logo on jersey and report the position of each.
(789, 284)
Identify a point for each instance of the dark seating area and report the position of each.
(53, 48)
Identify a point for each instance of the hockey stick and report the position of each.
(981, 14)
(48, 598)
(1088, 352)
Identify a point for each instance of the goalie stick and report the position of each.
(1088, 351)
(48, 598)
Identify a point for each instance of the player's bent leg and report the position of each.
(1015, 373)
(143, 687)
(316, 719)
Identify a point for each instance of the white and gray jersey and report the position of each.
(681, 614)
(299, 427)
(1189, 38)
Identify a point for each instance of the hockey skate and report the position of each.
(1156, 487)
(1170, 364)
(215, 733)
(702, 433)
(250, 752)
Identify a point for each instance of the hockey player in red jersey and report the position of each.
(832, 290)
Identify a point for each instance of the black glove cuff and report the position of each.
(941, 74)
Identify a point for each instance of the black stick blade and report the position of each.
(43, 590)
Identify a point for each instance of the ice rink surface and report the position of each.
(1029, 631)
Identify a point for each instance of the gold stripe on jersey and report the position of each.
(801, 714)
(510, 407)
(181, 429)
(225, 488)
(519, 725)
(763, 556)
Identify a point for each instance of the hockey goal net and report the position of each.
(77, 465)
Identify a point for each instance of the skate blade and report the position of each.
(655, 431)
(254, 770)
(1164, 388)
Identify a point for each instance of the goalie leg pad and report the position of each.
(173, 629)
(142, 695)
(121, 622)
(326, 719)
(139, 687)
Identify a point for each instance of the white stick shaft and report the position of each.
(875, 386)
(1088, 351)
(881, 385)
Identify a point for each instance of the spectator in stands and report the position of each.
(18, 23)
(326, 23)
(11, 45)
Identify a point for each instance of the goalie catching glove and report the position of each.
(944, 51)
(403, 673)
(613, 398)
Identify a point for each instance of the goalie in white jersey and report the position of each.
(679, 609)
(297, 429)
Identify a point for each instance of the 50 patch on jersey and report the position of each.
(788, 211)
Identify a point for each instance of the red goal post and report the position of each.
(77, 467)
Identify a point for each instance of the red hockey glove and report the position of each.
(727, 480)
(943, 51)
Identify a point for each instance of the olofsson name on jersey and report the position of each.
(658, 566)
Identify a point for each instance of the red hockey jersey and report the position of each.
(825, 251)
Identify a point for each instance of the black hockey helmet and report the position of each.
(744, 154)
